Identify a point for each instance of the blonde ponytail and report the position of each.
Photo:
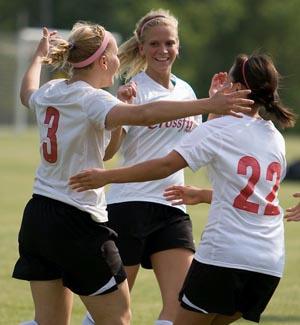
(131, 62)
(84, 41)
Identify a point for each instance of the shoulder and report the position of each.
(208, 130)
(54, 83)
(181, 83)
(92, 95)
(146, 88)
(220, 124)
(183, 88)
(141, 78)
(221, 127)
(47, 90)
(276, 134)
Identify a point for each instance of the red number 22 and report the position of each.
(241, 201)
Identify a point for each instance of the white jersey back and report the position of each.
(148, 142)
(72, 137)
(246, 162)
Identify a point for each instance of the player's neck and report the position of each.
(88, 78)
(163, 79)
(254, 112)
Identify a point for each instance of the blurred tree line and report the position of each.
(212, 32)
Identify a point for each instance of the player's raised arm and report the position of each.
(31, 79)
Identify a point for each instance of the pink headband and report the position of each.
(244, 75)
(96, 55)
(146, 22)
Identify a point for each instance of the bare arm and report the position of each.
(142, 172)
(191, 195)
(126, 94)
(116, 139)
(293, 214)
(31, 79)
(223, 102)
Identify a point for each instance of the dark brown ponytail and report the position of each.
(259, 74)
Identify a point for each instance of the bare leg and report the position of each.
(131, 272)
(170, 268)
(111, 308)
(52, 301)
(186, 317)
(225, 320)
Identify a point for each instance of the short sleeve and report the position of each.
(97, 105)
(31, 101)
(199, 147)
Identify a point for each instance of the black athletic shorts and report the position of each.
(221, 290)
(59, 241)
(145, 228)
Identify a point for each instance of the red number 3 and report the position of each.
(50, 145)
(241, 201)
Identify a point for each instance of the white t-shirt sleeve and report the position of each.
(199, 147)
(31, 100)
(97, 105)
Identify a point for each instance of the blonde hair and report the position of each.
(84, 40)
(131, 62)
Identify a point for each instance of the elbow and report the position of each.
(24, 99)
(107, 157)
(166, 170)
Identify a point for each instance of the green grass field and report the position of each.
(19, 158)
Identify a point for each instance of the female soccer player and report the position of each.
(160, 236)
(64, 241)
(240, 259)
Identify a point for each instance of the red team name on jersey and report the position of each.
(184, 124)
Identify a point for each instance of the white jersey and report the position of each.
(246, 162)
(142, 143)
(71, 121)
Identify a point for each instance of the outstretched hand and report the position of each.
(229, 101)
(127, 92)
(191, 195)
(219, 81)
(293, 213)
(88, 179)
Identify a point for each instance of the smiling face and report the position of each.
(160, 49)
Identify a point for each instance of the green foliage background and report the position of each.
(212, 32)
